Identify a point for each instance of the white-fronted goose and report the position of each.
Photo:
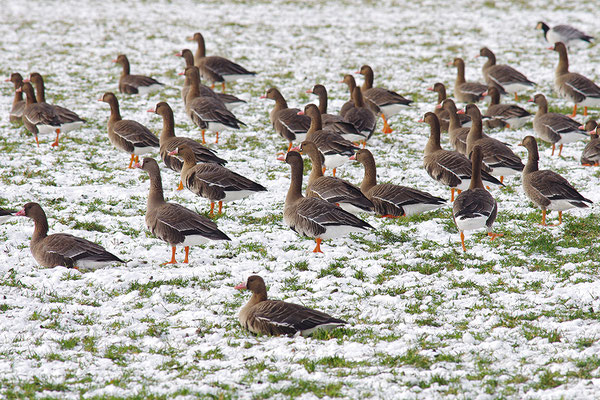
(506, 115)
(450, 168)
(562, 33)
(392, 201)
(207, 112)
(314, 217)
(135, 84)
(335, 149)
(457, 134)
(169, 142)
(18, 105)
(496, 155)
(262, 316)
(555, 128)
(213, 181)
(547, 189)
(229, 100)
(61, 248)
(351, 83)
(475, 208)
(590, 156)
(127, 135)
(69, 120)
(39, 117)
(5, 215)
(389, 102)
(442, 114)
(503, 77)
(361, 116)
(172, 222)
(331, 189)
(286, 121)
(467, 92)
(572, 86)
(215, 68)
(335, 122)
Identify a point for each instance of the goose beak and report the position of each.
(353, 157)
(309, 91)
(178, 54)
(181, 73)
(21, 213)
(461, 111)
(438, 106)
(264, 96)
(240, 286)
(26, 80)
(430, 89)
(281, 158)
(300, 112)
(296, 149)
(172, 153)
(137, 165)
(152, 110)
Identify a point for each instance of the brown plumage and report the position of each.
(18, 105)
(466, 92)
(273, 317)
(361, 116)
(172, 222)
(504, 115)
(457, 133)
(61, 248)
(39, 117)
(591, 152)
(442, 114)
(286, 121)
(351, 83)
(503, 77)
(135, 84)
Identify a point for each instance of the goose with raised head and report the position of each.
(505, 115)
(361, 116)
(16, 112)
(466, 92)
(39, 117)
(351, 84)
(287, 122)
(503, 77)
(135, 84)
(442, 114)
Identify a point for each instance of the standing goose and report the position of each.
(313, 217)
(456, 132)
(215, 68)
(392, 201)
(169, 142)
(450, 168)
(213, 181)
(475, 208)
(207, 112)
(335, 122)
(351, 83)
(335, 149)
(275, 317)
(39, 117)
(442, 114)
(496, 155)
(333, 190)
(135, 84)
(229, 100)
(562, 33)
(61, 248)
(286, 121)
(389, 102)
(362, 117)
(172, 222)
(5, 215)
(127, 135)
(508, 115)
(69, 120)
(466, 92)
(547, 189)
(503, 77)
(590, 156)
(572, 86)
(18, 105)
(553, 127)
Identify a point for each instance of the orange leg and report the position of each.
(324, 169)
(55, 144)
(203, 139)
(560, 150)
(585, 111)
(559, 217)
(516, 97)
(318, 248)
(289, 147)
(458, 191)
(223, 86)
(173, 261)
(131, 161)
(493, 235)
(462, 241)
(187, 253)
(220, 207)
(180, 187)
(501, 179)
(217, 141)
(212, 208)
(334, 172)
(37, 141)
(574, 111)
(364, 144)
(553, 147)
(386, 126)
(544, 217)
(451, 194)
(137, 159)
(212, 86)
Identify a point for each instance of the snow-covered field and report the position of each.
(515, 318)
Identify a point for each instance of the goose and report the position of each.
(457, 133)
(351, 83)
(475, 208)
(39, 117)
(590, 156)
(135, 84)
(314, 217)
(169, 142)
(553, 127)
(262, 316)
(5, 215)
(16, 112)
(213, 181)
(333, 190)
(448, 167)
(562, 33)
(215, 68)
(172, 222)
(443, 115)
(547, 189)
(389, 102)
(572, 86)
(127, 135)
(62, 248)
(392, 201)
(69, 120)
(503, 77)
(506, 115)
(361, 116)
(207, 112)
(466, 92)
(286, 121)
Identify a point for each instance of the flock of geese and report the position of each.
(331, 204)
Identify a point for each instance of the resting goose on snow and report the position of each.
(61, 248)
(286, 121)
(466, 92)
(508, 115)
(135, 84)
(475, 207)
(274, 317)
(18, 105)
(547, 189)
(314, 217)
(172, 222)
(562, 33)
(392, 201)
(503, 77)
(442, 114)
(39, 117)
(555, 128)
(572, 86)
(213, 181)
(127, 135)
(590, 156)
